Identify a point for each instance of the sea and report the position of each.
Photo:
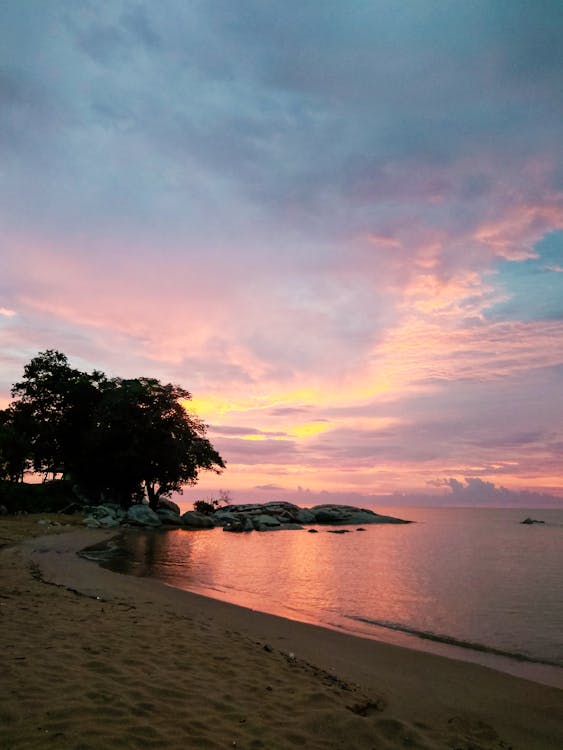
(469, 583)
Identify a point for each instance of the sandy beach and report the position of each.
(91, 659)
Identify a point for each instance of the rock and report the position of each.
(312, 531)
(235, 526)
(282, 515)
(106, 516)
(165, 503)
(305, 516)
(223, 517)
(349, 515)
(265, 522)
(169, 517)
(338, 531)
(240, 523)
(108, 522)
(360, 529)
(531, 520)
(142, 515)
(92, 523)
(194, 520)
(247, 524)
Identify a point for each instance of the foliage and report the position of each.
(205, 506)
(210, 505)
(116, 438)
(55, 403)
(43, 497)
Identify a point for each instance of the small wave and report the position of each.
(451, 641)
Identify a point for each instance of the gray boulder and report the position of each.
(165, 504)
(105, 516)
(194, 520)
(169, 517)
(348, 514)
(239, 523)
(142, 515)
(265, 522)
(305, 516)
(223, 517)
(92, 523)
(108, 522)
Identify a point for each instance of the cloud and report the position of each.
(475, 491)
(324, 213)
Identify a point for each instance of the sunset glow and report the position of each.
(351, 256)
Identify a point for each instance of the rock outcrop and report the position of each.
(283, 515)
(194, 520)
(274, 516)
(142, 515)
(349, 515)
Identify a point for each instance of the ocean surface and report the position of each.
(468, 583)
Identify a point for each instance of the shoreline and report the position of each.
(515, 664)
(367, 690)
(525, 668)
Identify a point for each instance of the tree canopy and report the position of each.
(116, 438)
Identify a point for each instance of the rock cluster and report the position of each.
(273, 516)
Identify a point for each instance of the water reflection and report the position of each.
(474, 575)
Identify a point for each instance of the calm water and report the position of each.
(475, 578)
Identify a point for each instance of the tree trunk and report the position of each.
(152, 495)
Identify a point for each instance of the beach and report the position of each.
(94, 659)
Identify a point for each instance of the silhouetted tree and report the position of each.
(15, 440)
(58, 402)
(145, 441)
(122, 438)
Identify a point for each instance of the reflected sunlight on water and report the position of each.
(471, 576)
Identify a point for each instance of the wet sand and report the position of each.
(94, 659)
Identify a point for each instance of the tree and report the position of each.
(116, 438)
(15, 430)
(145, 441)
(57, 403)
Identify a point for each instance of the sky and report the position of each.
(339, 225)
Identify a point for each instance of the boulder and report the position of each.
(282, 515)
(91, 522)
(223, 517)
(194, 520)
(169, 517)
(106, 516)
(165, 503)
(108, 522)
(239, 524)
(265, 522)
(531, 520)
(142, 515)
(305, 516)
(348, 514)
